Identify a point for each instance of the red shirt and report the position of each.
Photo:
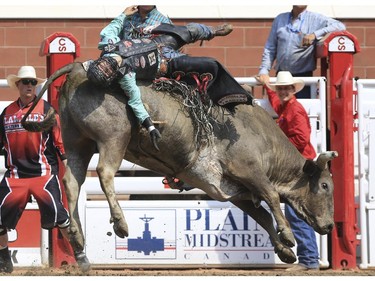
(29, 154)
(294, 122)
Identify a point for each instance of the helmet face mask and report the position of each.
(103, 71)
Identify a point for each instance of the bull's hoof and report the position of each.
(287, 255)
(287, 238)
(82, 261)
(120, 228)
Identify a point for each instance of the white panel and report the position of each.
(135, 185)
(62, 45)
(314, 109)
(29, 256)
(125, 165)
(178, 233)
(371, 240)
(371, 156)
(341, 44)
(366, 164)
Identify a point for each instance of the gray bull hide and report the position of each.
(250, 159)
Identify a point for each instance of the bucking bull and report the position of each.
(248, 160)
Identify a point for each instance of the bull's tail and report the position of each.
(50, 118)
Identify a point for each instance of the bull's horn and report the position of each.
(324, 157)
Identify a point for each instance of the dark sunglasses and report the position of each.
(28, 81)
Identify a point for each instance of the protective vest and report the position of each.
(139, 55)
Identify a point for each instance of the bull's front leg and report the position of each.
(283, 228)
(260, 186)
(266, 192)
(264, 219)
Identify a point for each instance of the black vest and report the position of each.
(138, 55)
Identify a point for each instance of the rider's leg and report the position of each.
(200, 31)
(175, 37)
(129, 85)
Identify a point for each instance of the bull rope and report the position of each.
(198, 105)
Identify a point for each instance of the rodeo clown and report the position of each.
(158, 56)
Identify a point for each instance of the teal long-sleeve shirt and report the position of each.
(129, 27)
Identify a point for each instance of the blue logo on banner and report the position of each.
(146, 243)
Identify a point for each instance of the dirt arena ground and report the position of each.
(74, 271)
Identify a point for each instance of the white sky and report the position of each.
(182, 9)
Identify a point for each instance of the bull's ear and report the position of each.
(310, 167)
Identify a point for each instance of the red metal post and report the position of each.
(338, 49)
(60, 49)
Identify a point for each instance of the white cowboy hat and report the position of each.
(24, 72)
(285, 78)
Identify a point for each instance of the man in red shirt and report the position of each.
(31, 160)
(292, 117)
(294, 122)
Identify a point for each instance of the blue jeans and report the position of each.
(307, 248)
(197, 31)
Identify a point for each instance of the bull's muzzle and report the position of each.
(326, 229)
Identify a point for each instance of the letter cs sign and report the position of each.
(62, 45)
(341, 44)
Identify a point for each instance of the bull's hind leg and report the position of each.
(264, 219)
(75, 174)
(110, 156)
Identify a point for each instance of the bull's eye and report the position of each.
(325, 186)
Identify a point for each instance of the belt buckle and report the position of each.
(163, 68)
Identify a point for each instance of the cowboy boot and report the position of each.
(154, 133)
(6, 264)
(221, 30)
